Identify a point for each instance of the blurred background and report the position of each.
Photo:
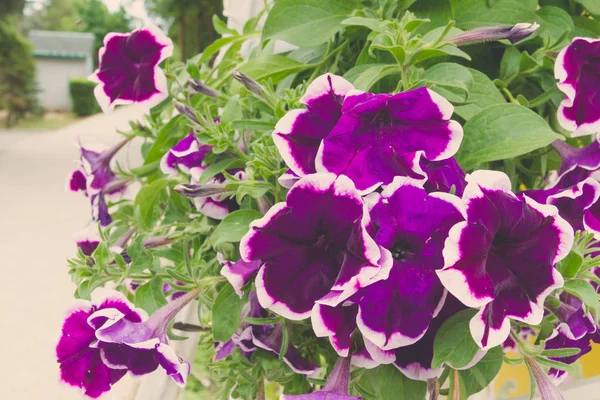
(48, 48)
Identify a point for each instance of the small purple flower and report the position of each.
(560, 341)
(381, 136)
(128, 70)
(444, 176)
(501, 259)
(77, 181)
(336, 388)
(576, 69)
(81, 362)
(187, 154)
(580, 206)
(87, 242)
(141, 346)
(299, 133)
(413, 226)
(574, 321)
(238, 273)
(317, 237)
(577, 163)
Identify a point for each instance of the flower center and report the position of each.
(401, 250)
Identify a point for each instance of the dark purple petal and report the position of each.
(502, 258)
(299, 133)
(443, 176)
(174, 366)
(559, 341)
(380, 136)
(187, 154)
(576, 69)
(318, 237)
(413, 226)
(224, 350)
(137, 361)
(579, 204)
(77, 181)
(87, 242)
(574, 321)
(239, 273)
(338, 323)
(128, 69)
(577, 164)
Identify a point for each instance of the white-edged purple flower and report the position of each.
(336, 388)
(501, 259)
(413, 225)
(186, 155)
(444, 176)
(77, 181)
(576, 69)
(288, 179)
(580, 205)
(268, 337)
(87, 242)
(299, 133)
(128, 70)
(238, 273)
(577, 163)
(574, 321)
(141, 346)
(81, 362)
(559, 341)
(336, 323)
(381, 136)
(317, 237)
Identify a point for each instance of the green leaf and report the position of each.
(234, 226)
(386, 382)
(384, 42)
(101, 255)
(510, 63)
(452, 81)
(570, 265)
(364, 76)
(226, 313)
(584, 290)
(221, 27)
(503, 131)
(150, 296)
(481, 375)
(593, 6)
(470, 14)
(586, 27)
(555, 20)
(232, 110)
(274, 67)
(373, 24)
(167, 137)
(141, 258)
(150, 203)
(483, 94)
(253, 125)
(453, 343)
(567, 352)
(215, 46)
(439, 12)
(306, 23)
(217, 168)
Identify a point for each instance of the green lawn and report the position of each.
(50, 121)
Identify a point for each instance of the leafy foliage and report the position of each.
(82, 97)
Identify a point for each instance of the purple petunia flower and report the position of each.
(501, 259)
(577, 164)
(337, 323)
(288, 179)
(267, 337)
(444, 176)
(186, 155)
(96, 180)
(87, 242)
(576, 69)
(299, 133)
(128, 70)
(560, 341)
(336, 388)
(574, 321)
(317, 237)
(413, 226)
(141, 346)
(81, 362)
(238, 273)
(580, 206)
(381, 136)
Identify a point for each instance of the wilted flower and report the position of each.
(576, 69)
(336, 388)
(299, 133)
(577, 164)
(501, 259)
(381, 136)
(80, 357)
(186, 155)
(512, 33)
(545, 387)
(128, 70)
(317, 237)
(413, 226)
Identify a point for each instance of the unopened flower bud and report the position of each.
(248, 82)
(200, 87)
(514, 34)
(206, 190)
(185, 110)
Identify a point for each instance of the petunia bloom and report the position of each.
(576, 69)
(413, 226)
(337, 323)
(444, 176)
(381, 136)
(80, 359)
(87, 242)
(128, 70)
(186, 155)
(574, 321)
(336, 388)
(238, 273)
(141, 346)
(577, 163)
(317, 237)
(560, 341)
(501, 259)
(299, 133)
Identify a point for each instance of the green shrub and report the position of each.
(82, 97)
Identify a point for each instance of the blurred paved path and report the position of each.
(37, 221)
